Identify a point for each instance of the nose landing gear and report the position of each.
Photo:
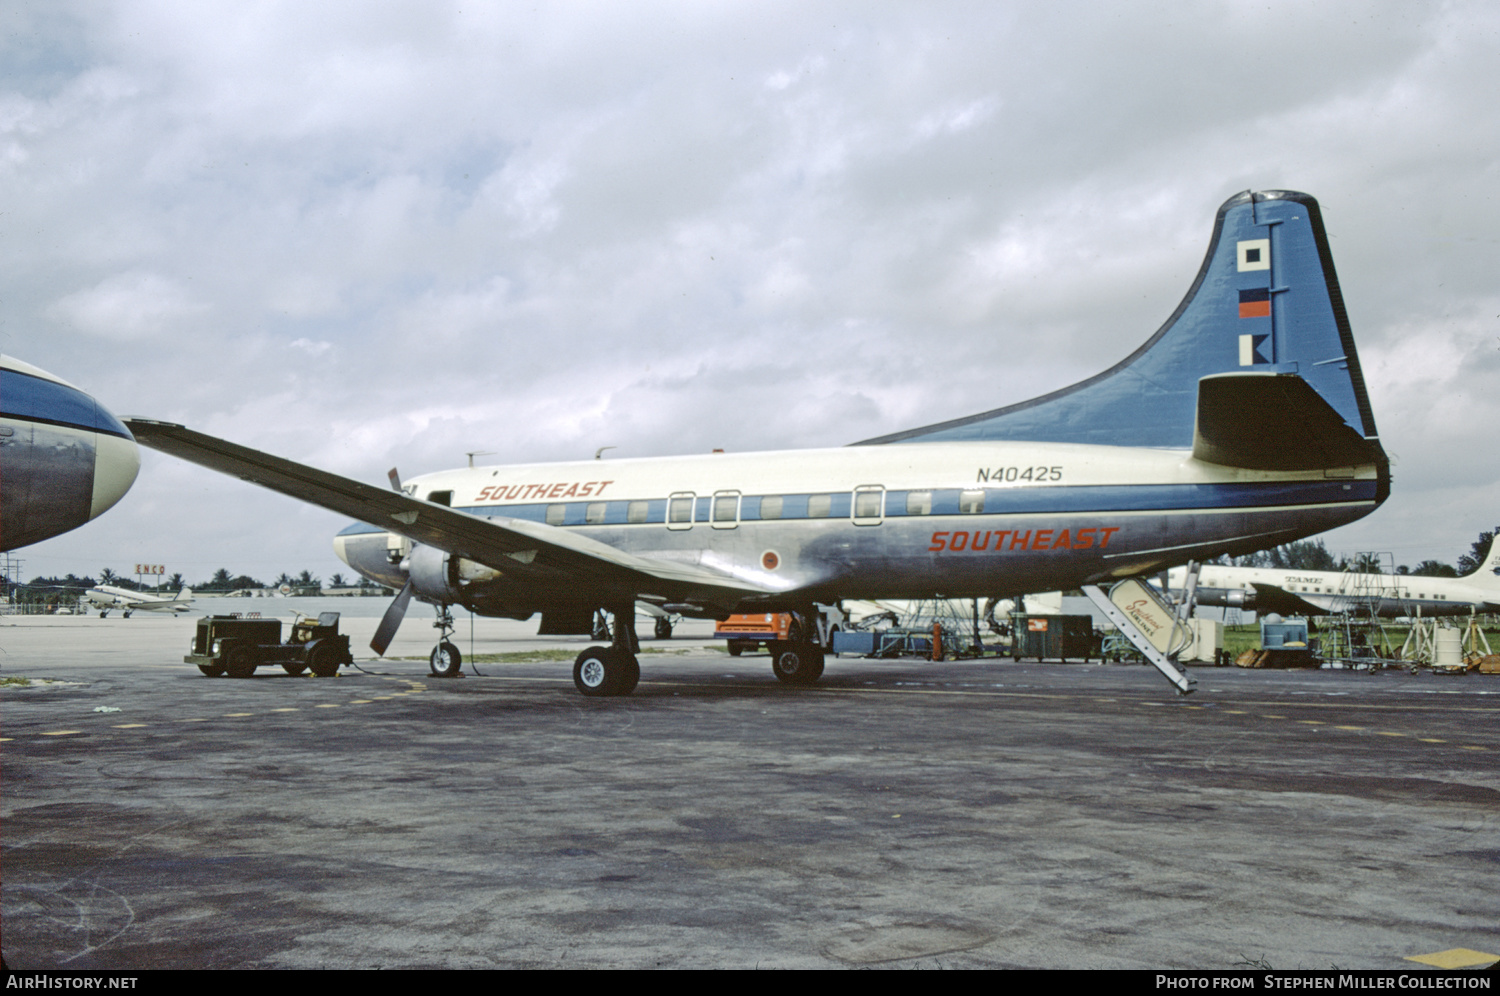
(445, 661)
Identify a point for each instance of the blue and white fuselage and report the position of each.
(64, 459)
(915, 520)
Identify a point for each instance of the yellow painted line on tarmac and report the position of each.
(287, 709)
(1348, 727)
(1455, 958)
(60, 733)
(1431, 740)
(1389, 733)
(326, 705)
(237, 715)
(1472, 747)
(129, 726)
(1312, 722)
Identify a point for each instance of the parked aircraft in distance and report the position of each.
(1241, 424)
(106, 597)
(63, 459)
(1312, 593)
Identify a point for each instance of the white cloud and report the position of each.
(130, 307)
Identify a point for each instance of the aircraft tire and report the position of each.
(600, 671)
(445, 661)
(736, 648)
(629, 677)
(663, 628)
(293, 668)
(796, 663)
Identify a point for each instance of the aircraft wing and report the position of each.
(528, 552)
(1274, 598)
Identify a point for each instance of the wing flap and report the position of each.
(519, 549)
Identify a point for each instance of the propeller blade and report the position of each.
(395, 479)
(391, 621)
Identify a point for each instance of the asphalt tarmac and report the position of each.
(900, 814)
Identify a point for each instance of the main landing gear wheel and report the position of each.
(600, 671)
(446, 661)
(796, 663)
(663, 628)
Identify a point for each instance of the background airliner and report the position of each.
(107, 597)
(1241, 424)
(1289, 592)
(63, 459)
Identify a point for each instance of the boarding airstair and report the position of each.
(1156, 627)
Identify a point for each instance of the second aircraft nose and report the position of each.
(116, 463)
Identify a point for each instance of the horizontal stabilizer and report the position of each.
(1268, 421)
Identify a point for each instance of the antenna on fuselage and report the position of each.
(599, 453)
(476, 453)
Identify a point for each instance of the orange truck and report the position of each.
(751, 630)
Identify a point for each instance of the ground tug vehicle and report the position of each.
(236, 646)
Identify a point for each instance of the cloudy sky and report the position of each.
(363, 235)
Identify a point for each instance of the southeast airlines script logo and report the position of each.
(980, 541)
(563, 489)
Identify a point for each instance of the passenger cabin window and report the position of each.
(726, 508)
(867, 504)
(440, 497)
(919, 503)
(637, 511)
(818, 506)
(770, 507)
(681, 510)
(971, 502)
(556, 514)
(594, 514)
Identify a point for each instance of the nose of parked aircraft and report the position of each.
(116, 462)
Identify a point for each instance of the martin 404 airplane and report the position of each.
(1316, 593)
(1241, 424)
(107, 597)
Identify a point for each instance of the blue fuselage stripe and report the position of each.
(997, 501)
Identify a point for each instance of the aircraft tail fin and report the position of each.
(1487, 575)
(1265, 307)
(186, 592)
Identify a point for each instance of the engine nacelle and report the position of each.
(1229, 598)
(438, 576)
(431, 573)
